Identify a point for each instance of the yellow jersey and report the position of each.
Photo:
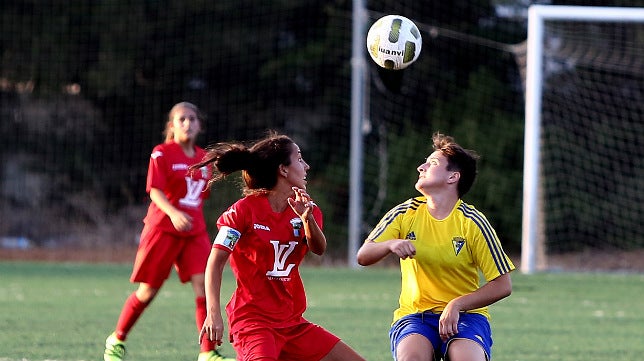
(451, 254)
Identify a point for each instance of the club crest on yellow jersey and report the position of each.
(458, 243)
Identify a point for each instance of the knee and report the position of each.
(145, 293)
(198, 285)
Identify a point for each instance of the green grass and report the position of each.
(64, 312)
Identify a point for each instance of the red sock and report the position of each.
(200, 316)
(132, 310)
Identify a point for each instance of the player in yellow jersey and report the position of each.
(443, 243)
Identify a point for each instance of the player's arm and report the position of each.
(495, 265)
(372, 252)
(180, 220)
(489, 293)
(315, 238)
(303, 206)
(486, 295)
(213, 326)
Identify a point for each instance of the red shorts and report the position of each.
(159, 251)
(306, 341)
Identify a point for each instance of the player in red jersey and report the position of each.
(266, 235)
(174, 231)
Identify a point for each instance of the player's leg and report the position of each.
(414, 347)
(465, 350)
(145, 293)
(133, 308)
(308, 341)
(473, 340)
(191, 265)
(342, 352)
(198, 282)
(208, 349)
(152, 266)
(258, 344)
(131, 311)
(415, 337)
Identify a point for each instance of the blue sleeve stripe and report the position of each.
(492, 241)
(389, 217)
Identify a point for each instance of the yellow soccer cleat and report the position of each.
(114, 349)
(213, 355)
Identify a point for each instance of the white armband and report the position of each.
(227, 237)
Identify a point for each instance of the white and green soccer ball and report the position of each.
(394, 42)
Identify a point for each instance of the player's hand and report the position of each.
(213, 329)
(448, 322)
(302, 204)
(402, 248)
(181, 221)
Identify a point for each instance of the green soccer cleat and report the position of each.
(213, 355)
(114, 349)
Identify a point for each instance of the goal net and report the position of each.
(584, 135)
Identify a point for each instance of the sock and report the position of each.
(200, 316)
(132, 310)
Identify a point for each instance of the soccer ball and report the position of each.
(394, 42)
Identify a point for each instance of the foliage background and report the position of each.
(85, 87)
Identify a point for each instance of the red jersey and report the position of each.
(265, 260)
(168, 171)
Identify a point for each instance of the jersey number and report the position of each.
(282, 251)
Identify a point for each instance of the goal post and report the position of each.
(533, 243)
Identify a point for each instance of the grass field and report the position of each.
(64, 311)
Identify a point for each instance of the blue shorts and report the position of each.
(472, 326)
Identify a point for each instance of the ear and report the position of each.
(282, 170)
(454, 178)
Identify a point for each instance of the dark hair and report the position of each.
(259, 163)
(458, 159)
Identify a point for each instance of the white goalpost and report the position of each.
(534, 222)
